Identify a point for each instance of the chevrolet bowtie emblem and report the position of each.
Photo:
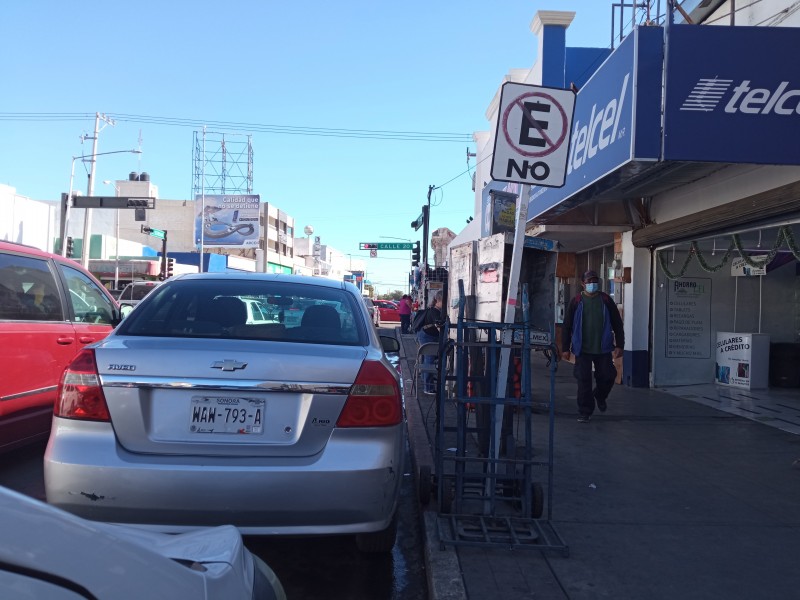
(228, 365)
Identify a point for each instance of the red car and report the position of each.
(386, 313)
(50, 310)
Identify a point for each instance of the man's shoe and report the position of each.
(584, 419)
(601, 404)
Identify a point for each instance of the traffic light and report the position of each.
(170, 267)
(70, 247)
(415, 255)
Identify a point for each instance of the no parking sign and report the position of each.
(533, 132)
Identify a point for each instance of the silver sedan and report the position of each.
(189, 416)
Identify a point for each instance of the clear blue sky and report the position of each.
(413, 66)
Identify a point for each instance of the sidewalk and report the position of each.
(660, 497)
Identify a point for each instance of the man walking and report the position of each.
(593, 331)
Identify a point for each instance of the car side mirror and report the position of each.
(390, 345)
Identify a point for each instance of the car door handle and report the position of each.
(65, 341)
(85, 339)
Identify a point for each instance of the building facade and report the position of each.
(683, 184)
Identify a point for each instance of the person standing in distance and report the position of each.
(430, 333)
(404, 310)
(593, 331)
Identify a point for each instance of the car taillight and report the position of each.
(374, 399)
(79, 393)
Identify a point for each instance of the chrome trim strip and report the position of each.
(29, 393)
(247, 385)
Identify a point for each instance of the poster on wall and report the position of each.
(742, 359)
(739, 268)
(227, 221)
(688, 318)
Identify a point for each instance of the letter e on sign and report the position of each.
(533, 133)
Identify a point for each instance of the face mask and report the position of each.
(592, 287)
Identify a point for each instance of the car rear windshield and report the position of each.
(217, 308)
(137, 292)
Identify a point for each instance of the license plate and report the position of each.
(232, 415)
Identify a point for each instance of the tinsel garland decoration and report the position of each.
(785, 234)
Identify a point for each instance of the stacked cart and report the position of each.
(493, 449)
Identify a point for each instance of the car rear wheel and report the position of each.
(378, 542)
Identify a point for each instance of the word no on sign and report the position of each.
(533, 130)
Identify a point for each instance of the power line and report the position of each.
(464, 172)
(417, 136)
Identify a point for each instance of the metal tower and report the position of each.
(222, 163)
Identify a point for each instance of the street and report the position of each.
(309, 568)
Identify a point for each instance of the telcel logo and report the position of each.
(707, 94)
(599, 132)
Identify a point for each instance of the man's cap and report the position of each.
(589, 275)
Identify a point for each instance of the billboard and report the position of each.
(227, 221)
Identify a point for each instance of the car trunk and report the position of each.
(241, 398)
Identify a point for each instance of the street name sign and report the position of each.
(156, 233)
(385, 246)
(531, 143)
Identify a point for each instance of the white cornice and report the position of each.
(551, 17)
(514, 76)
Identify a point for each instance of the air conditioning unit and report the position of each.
(282, 238)
(317, 272)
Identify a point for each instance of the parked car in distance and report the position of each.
(287, 428)
(134, 292)
(49, 553)
(370, 307)
(50, 309)
(386, 313)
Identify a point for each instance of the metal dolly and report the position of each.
(489, 484)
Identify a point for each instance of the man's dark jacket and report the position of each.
(572, 328)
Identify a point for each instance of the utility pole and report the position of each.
(426, 218)
(87, 219)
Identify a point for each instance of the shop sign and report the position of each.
(497, 197)
(739, 268)
(539, 243)
(742, 359)
(732, 95)
(688, 318)
(617, 117)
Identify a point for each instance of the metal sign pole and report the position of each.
(203, 205)
(509, 316)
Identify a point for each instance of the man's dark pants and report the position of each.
(604, 374)
(405, 323)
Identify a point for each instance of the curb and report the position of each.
(442, 568)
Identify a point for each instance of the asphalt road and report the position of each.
(331, 568)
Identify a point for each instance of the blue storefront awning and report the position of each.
(728, 95)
